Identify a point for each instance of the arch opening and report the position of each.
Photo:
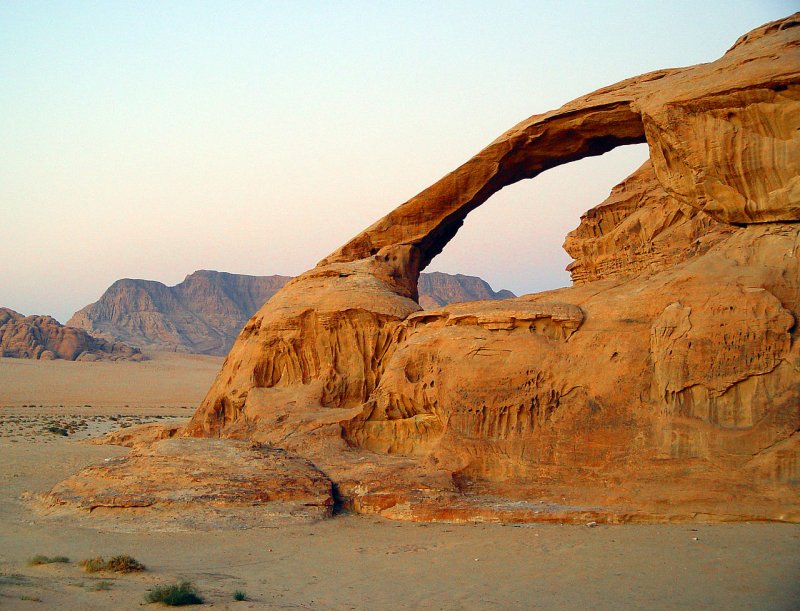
(407, 239)
(515, 241)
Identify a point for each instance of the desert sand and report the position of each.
(350, 561)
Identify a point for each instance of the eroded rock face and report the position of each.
(205, 313)
(43, 337)
(639, 228)
(664, 385)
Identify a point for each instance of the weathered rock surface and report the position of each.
(204, 313)
(664, 385)
(179, 484)
(43, 337)
(638, 228)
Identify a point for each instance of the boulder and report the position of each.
(185, 484)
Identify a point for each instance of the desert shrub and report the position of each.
(124, 564)
(100, 586)
(39, 559)
(57, 430)
(240, 595)
(117, 564)
(176, 595)
(93, 565)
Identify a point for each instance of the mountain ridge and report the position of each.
(204, 313)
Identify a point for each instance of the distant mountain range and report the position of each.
(437, 289)
(204, 313)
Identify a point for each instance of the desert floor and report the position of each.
(348, 562)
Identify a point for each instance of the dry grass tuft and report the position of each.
(117, 564)
(39, 559)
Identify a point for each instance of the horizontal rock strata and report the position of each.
(184, 484)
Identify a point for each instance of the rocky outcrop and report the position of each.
(43, 337)
(186, 484)
(204, 313)
(664, 385)
(639, 228)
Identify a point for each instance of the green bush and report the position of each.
(177, 595)
(240, 595)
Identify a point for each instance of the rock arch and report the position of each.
(421, 227)
(665, 392)
(340, 359)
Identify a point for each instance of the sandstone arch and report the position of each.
(745, 103)
(673, 361)
(425, 223)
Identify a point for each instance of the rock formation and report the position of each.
(204, 313)
(638, 228)
(250, 484)
(663, 385)
(43, 337)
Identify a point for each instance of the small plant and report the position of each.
(177, 595)
(240, 595)
(124, 564)
(57, 430)
(100, 586)
(39, 559)
(117, 564)
(93, 565)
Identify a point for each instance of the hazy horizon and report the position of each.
(150, 140)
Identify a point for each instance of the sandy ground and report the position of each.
(167, 380)
(348, 562)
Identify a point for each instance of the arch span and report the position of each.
(426, 223)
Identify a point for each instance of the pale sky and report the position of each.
(149, 139)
